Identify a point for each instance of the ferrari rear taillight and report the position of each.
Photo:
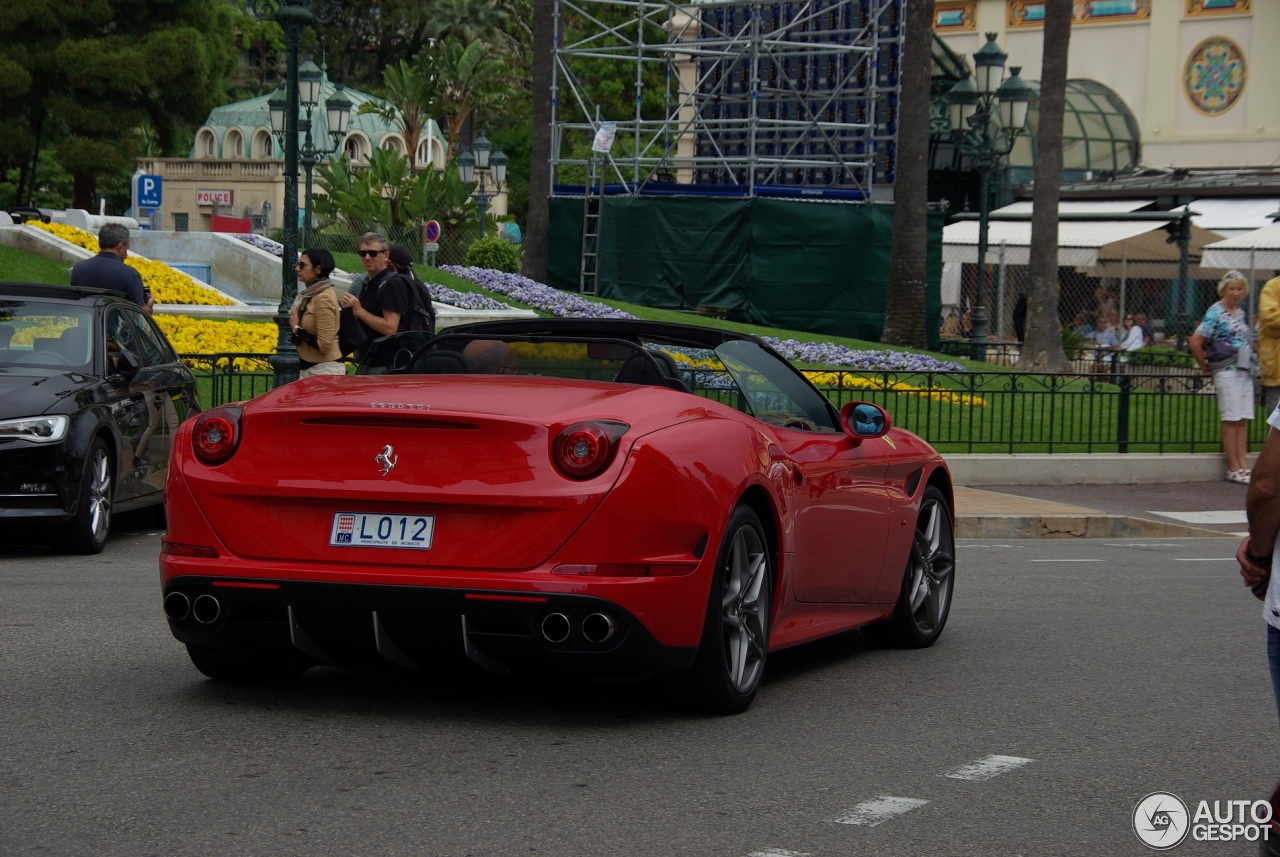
(584, 449)
(216, 434)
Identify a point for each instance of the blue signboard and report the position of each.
(149, 191)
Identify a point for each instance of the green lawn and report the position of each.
(19, 266)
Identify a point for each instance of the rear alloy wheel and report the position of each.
(91, 526)
(925, 600)
(242, 669)
(735, 634)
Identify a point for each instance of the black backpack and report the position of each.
(421, 313)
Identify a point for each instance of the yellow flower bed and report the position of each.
(207, 336)
(168, 286)
(848, 380)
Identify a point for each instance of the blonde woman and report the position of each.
(1226, 327)
(314, 317)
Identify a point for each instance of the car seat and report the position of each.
(444, 363)
(638, 369)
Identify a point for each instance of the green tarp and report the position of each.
(815, 266)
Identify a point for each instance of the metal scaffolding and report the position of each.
(786, 99)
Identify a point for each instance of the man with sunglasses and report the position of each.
(383, 301)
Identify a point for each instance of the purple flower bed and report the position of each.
(545, 298)
(567, 305)
(463, 300)
(275, 248)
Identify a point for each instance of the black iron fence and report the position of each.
(1129, 409)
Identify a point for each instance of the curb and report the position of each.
(1074, 527)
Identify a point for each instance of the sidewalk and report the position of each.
(1100, 495)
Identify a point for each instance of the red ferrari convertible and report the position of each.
(608, 498)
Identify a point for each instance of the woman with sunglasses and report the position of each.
(314, 317)
(1134, 337)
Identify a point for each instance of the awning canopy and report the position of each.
(1081, 243)
(1257, 250)
(1232, 217)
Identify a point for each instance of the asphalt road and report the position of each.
(1073, 679)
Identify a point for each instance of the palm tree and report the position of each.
(1042, 350)
(462, 79)
(537, 222)
(904, 322)
(407, 100)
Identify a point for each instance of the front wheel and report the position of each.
(925, 600)
(735, 634)
(91, 526)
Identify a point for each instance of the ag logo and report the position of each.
(1161, 821)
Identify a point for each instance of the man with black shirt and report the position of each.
(383, 302)
(108, 271)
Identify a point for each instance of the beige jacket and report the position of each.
(320, 316)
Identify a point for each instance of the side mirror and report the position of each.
(863, 420)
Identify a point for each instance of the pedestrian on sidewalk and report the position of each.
(1269, 342)
(1256, 552)
(1225, 331)
(108, 271)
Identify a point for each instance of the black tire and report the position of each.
(925, 600)
(242, 669)
(91, 526)
(157, 515)
(735, 634)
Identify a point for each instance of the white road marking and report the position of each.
(779, 852)
(966, 544)
(1204, 559)
(1142, 544)
(1217, 516)
(1069, 560)
(869, 813)
(988, 767)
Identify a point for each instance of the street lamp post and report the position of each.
(995, 112)
(484, 166)
(293, 16)
(337, 120)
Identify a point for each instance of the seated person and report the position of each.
(490, 357)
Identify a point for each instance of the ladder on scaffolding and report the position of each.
(592, 208)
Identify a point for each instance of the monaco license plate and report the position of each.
(363, 530)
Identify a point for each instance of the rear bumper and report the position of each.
(415, 626)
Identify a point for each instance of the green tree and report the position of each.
(464, 79)
(389, 195)
(90, 74)
(904, 322)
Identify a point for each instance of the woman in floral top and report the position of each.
(1225, 321)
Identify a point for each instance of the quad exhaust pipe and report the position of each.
(555, 627)
(206, 609)
(596, 628)
(177, 606)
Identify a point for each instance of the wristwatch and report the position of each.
(1260, 561)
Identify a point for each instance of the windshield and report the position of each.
(45, 335)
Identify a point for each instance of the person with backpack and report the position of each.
(385, 304)
(402, 261)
